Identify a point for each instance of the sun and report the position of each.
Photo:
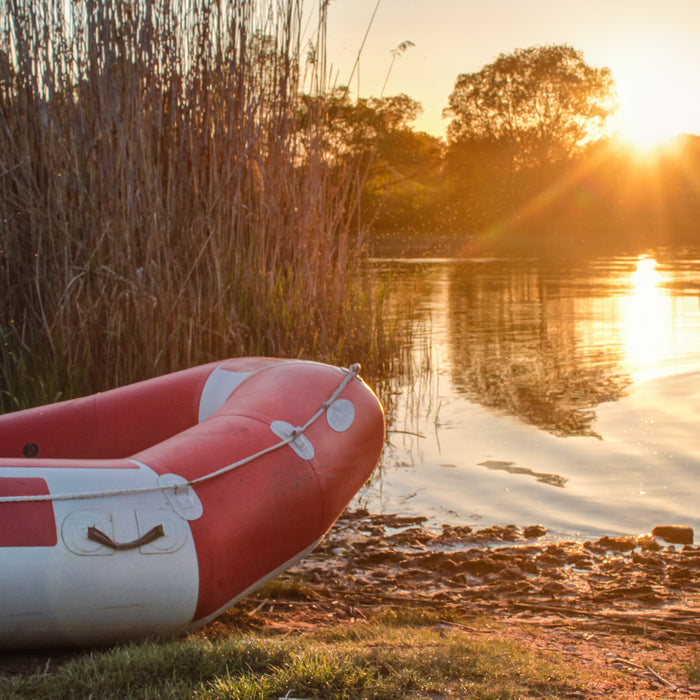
(647, 116)
(655, 104)
(645, 130)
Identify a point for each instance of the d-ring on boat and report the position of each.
(151, 508)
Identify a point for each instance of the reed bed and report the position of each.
(168, 196)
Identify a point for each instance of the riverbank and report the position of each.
(624, 603)
(516, 615)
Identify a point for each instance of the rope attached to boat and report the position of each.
(350, 374)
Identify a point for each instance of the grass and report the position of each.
(169, 197)
(367, 660)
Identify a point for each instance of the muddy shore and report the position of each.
(632, 582)
(630, 603)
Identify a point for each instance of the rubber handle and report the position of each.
(98, 536)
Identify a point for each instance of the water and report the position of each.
(567, 396)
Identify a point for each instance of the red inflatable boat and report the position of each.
(152, 508)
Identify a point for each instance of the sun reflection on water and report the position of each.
(646, 321)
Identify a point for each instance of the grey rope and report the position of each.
(351, 373)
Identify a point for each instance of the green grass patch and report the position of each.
(367, 660)
(416, 616)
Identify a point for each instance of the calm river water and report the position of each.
(567, 396)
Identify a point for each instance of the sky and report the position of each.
(652, 48)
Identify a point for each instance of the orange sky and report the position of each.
(651, 46)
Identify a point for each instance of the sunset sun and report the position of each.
(645, 127)
(654, 103)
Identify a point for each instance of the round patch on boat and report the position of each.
(340, 415)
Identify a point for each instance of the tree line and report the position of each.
(530, 158)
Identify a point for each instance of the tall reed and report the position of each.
(166, 197)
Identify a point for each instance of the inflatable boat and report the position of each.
(151, 508)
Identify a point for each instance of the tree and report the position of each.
(352, 126)
(399, 166)
(545, 103)
(400, 180)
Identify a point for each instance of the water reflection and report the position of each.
(515, 343)
(544, 343)
(647, 318)
(512, 468)
(501, 346)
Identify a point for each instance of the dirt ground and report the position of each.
(625, 609)
(626, 604)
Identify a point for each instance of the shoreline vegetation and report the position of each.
(180, 183)
(170, 196)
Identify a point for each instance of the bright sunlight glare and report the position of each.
(645, 277)
(645, 130)
(646, 320)
(655, 104)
